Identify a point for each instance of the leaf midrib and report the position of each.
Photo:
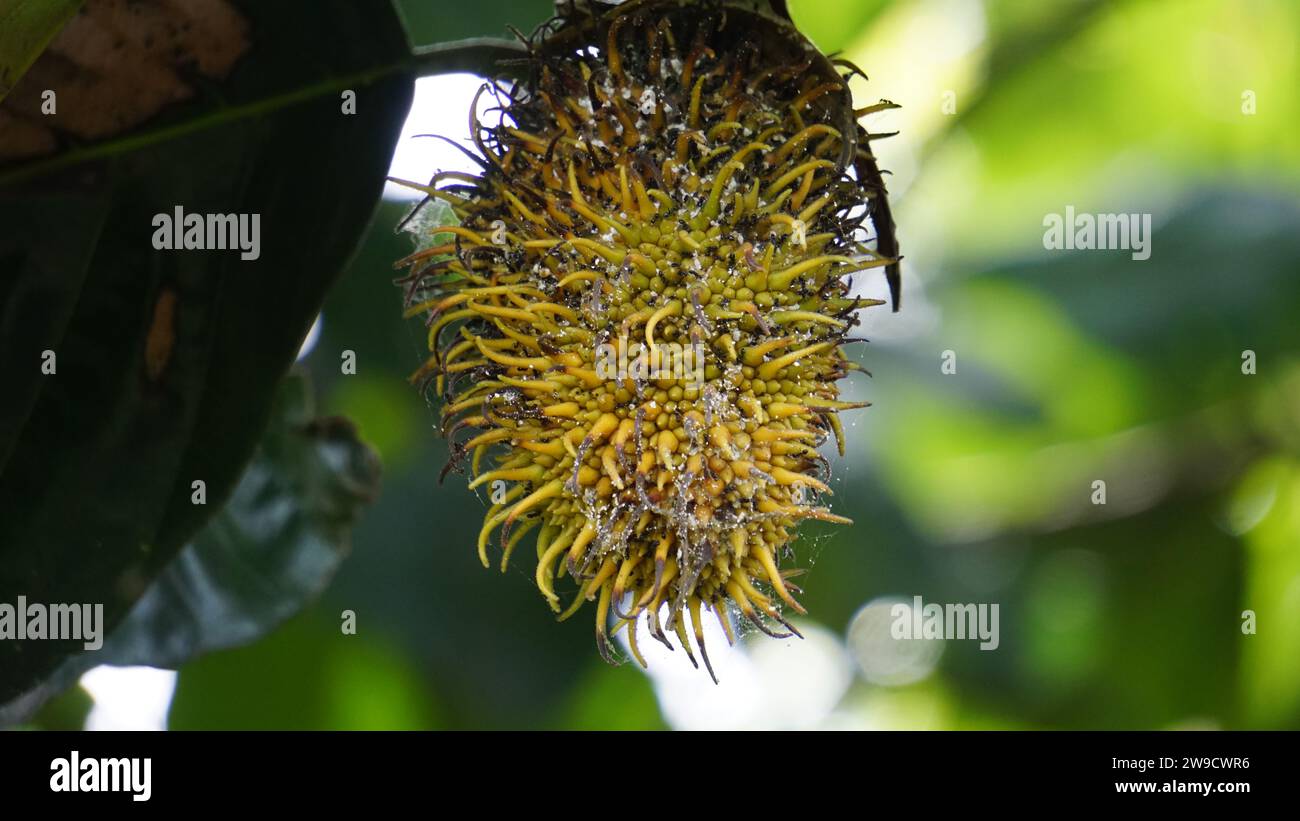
(212, 119)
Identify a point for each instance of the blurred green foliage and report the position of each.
(976, 486)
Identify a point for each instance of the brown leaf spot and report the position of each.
(162, 335)
(117, 64)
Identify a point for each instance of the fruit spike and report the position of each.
(663, 177)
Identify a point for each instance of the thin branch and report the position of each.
(485, 56)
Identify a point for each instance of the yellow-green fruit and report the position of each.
(637, 326)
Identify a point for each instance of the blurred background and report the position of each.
(1066, 368)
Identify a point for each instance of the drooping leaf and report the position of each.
(272, 548)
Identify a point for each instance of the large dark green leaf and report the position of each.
(166, 361)
(271, 549)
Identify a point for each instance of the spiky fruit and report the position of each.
(665, 179)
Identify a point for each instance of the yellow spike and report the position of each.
(797, 140)
(657, 595)
(770, 369)
(679, 627)
(698, 628)
(786, 317)
(625, 193)
(602, 620)
(673, 308)
(801, 193)
(489, 524)
(693, 118)
(753, 355)
(720, 611)
(443, 321)
(839, 433)
(553, 448)
(794, 174)
(587, 375)
(667, 446)
(529, 384)
(504, 313)
(579, 276)
(806, 215)
(553, 308)
(787, 477)
(624, 572)
(523, 339)
(813, 93)
(549, 490)
(784, 410)
(603, 426)
(537, 363)
(477, 460)
(782, 279)
(464, 404)
(585, 537)
(488, 438)
(523, 210)
(710, 209)
(564, 410)
(768, 434)
(753, 594)
(631, 643)
(611, 467)
(523, 474)
(768, 562)
(467, 365)
(739, 544)
(545, 577)
(830, 404)
(514, 540)
(643, 201)
(589, 589)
